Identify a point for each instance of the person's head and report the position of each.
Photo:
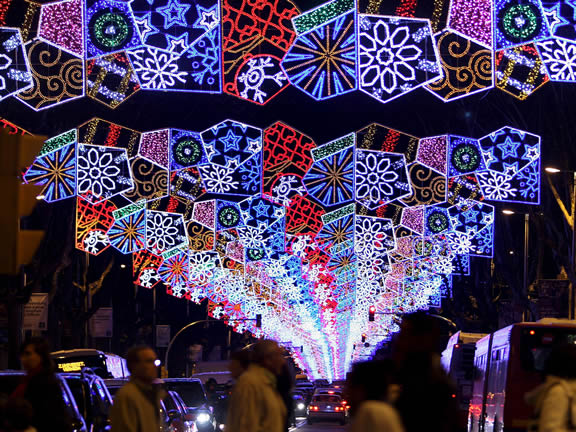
(211, 384)
(239, 362)
(142, 363)
(562, 362)
(419, 333)
(35, 355)
(369, 380)
(269, 355)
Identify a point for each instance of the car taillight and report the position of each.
(344, 402)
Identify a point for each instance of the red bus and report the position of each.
(508, 364)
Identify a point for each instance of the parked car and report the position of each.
(106, 365)
(192, 392)
(329, 407)
(9, 380)
(300, 405)
(115, 384)
(173, 412)
(328, 391)
(92, 397)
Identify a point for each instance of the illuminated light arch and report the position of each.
(310, 265)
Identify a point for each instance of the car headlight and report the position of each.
(202, 418)
(300, 406)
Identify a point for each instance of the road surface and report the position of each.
(318, 427)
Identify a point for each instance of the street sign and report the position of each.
(162, 336)
(552, 298)
(102, 323)
(36, 312)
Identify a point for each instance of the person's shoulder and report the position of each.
(250, 377)
(373, 406)
(126, 391)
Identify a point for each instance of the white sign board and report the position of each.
(162, 336)
(102, 323)
(36, 312)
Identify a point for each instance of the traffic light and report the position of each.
(364, 338)
(371, 313)
(259, 321)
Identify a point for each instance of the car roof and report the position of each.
(76, 352)
(182, 380)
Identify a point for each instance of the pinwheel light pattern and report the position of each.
(309, 235)
(109, 50)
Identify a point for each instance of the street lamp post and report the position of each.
(570, 217)
(525, 257)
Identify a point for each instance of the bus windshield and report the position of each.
(536, 344)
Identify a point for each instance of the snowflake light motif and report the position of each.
(396, 56)
(380, 178)
(102, 172)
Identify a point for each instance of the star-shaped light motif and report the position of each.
(174, 13)
(532, 152)
(471, 216)
(510, 169)
(178, 44)
(261, 209)
(489, 156)
(254, 146)
(231, 141)
(145, 27)
(207, 17)
(554, 17)
(509, 148)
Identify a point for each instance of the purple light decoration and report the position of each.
(204, 213)
(473, 18)
(413, 218)
(432, 152)
(61, 24)
(154, 146)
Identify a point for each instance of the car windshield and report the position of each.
(190, 391)
(328, 399)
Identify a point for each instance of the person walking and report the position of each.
(41, 388)
(239, 362)
(554, 401)
(424, 385)
(136, 406)
(285, 386)
(255, 404)
(369, 392)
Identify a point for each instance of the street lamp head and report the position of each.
(508, 212)
(552, 170)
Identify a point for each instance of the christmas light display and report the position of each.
(108, 50)
(308, 235)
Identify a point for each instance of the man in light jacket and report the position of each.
(136, 406)
(255, 404)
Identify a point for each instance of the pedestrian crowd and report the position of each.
(407, 392)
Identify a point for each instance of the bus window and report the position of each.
(536, 344)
